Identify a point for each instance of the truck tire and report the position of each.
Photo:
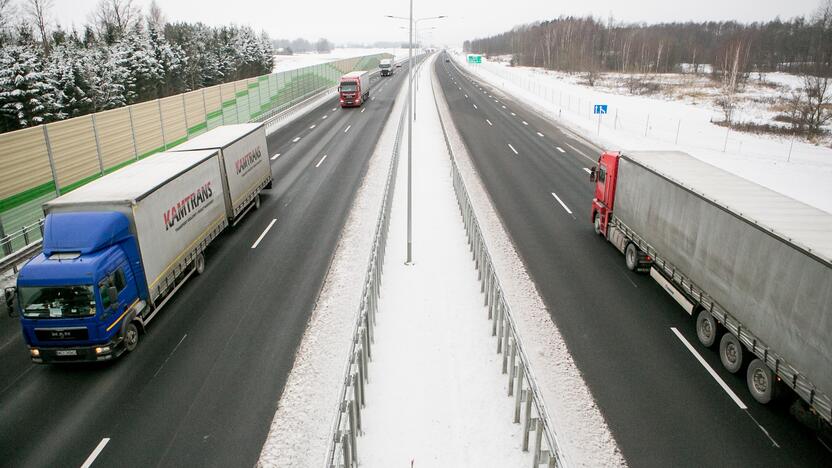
(731, 352)
(597, 223)
(761, 381)
(631, 256)
(131, 337)
(257, 202)
(706, 328)
(199, 264)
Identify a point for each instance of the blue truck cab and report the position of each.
(79, 299)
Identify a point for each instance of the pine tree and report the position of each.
(28, 95)
(69, 70)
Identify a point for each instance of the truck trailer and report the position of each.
(754, 267)
(386, 67)
(354, 89)
(114, 251)
(244, 163)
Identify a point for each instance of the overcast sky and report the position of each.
(363, 20)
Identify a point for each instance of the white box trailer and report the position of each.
(174, 203)
(244, 162)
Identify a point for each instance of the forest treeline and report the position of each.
(121, 56)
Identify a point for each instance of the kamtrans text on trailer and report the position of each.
(354, 88)
(114, 251)
(754, 267)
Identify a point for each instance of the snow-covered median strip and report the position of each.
(582, 432)
(436, 397)
(300, 434)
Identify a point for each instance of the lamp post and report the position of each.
(411, 23)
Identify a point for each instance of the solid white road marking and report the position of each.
(348, 128)
(560, 149)
(525, 123)
(512, 148)
(489, 122)
(297, 139)
(580, 152)
(475, 106)
(709, 369)
(275, 156)
(96, 452)
(586, 169)
(169, 355)
(561, 203)
(312, 127)
(265, 231)
(539, 134)
(320, 162)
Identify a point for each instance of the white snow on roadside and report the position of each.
(436, 395)
(582, 432)
(799, 170)
(300, 432)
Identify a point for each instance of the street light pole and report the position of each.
(410, 142)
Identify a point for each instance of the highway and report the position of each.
(636, 348)
(203, 385)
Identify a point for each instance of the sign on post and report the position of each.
(474, 58)
(600, 109)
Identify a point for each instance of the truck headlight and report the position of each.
(102, 350)
(34, 352)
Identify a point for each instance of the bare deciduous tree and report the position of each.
(39, 12)
(113, 18)
(155, 16)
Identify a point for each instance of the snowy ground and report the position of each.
(436, 396)
(796, 169)
(300, 432)
(291, 62)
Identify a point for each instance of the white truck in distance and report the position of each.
(386, 67)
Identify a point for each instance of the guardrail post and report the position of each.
(6, 242)
(511, 370)
(25, 235)
(496, 318)
(346, 451)
(351, 409)
(506, 335)
(527, 418)
(357, 382)
(537, 439)
(518, 396)
(500, 319)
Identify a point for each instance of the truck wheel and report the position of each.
(199, 264)
(631, 256)
(730, 352)
(706, 328)
(761, 381)
(597, 223)
(257, 202)
(131, 337)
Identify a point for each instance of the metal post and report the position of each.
(527, 419)
(133, 132)
(599, 123)
(791, 145)
(725, 145)
(351, 409)
(647, 125)
(518, 393)
(537, 439)
(615, 123)
(511, 369)
(97, 145)
(346, 451)
(204, 109)
(678, 126)
(51, 159)
(185, 114)
(410, 141)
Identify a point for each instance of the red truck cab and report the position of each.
(354, 89)
(604, 176)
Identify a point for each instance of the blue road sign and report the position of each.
(600, 109)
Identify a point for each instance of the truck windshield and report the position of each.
(57, 301)
(348, 86)
(384, 65)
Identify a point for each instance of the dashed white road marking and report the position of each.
(561, 203)
(275, 156)
(525, 123)
(265, 231)
(560, 149)
(512, 148)
(489, 122)
(586, 169)
(324, 117)
(466, 96)
(504, 107)
(334, 108)
(90, 459)
(312, 127)
(709, 369)
(362, 110)
(513, 114)
(539, 134)
(475, 106)
(320, 162)
(297, 139)
(348, 128)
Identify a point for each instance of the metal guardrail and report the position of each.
(522, 385)
(12, 258)
(343, 451)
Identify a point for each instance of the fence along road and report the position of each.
(203, 386)
(37, 164)
(662, 406)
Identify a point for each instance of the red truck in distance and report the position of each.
(354, 89)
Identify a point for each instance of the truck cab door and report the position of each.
(126, 293)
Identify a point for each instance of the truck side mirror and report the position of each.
(10, 295)
(112, 295)
(593, 174)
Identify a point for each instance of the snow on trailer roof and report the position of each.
(132, 183)
(804, 226)
(219, 137)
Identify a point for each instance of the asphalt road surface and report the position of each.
(661, 403)
(203, 385)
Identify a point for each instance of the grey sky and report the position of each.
(363, 20)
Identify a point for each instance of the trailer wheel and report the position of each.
(131, 337)
(761, 381)
(199, 264)
(631, 256)
(257, 202)
(706, 328)
(597, 223)
(730, 352)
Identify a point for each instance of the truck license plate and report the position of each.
(66, 352)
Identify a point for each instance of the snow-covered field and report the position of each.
(795, 168)
(291, 62)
